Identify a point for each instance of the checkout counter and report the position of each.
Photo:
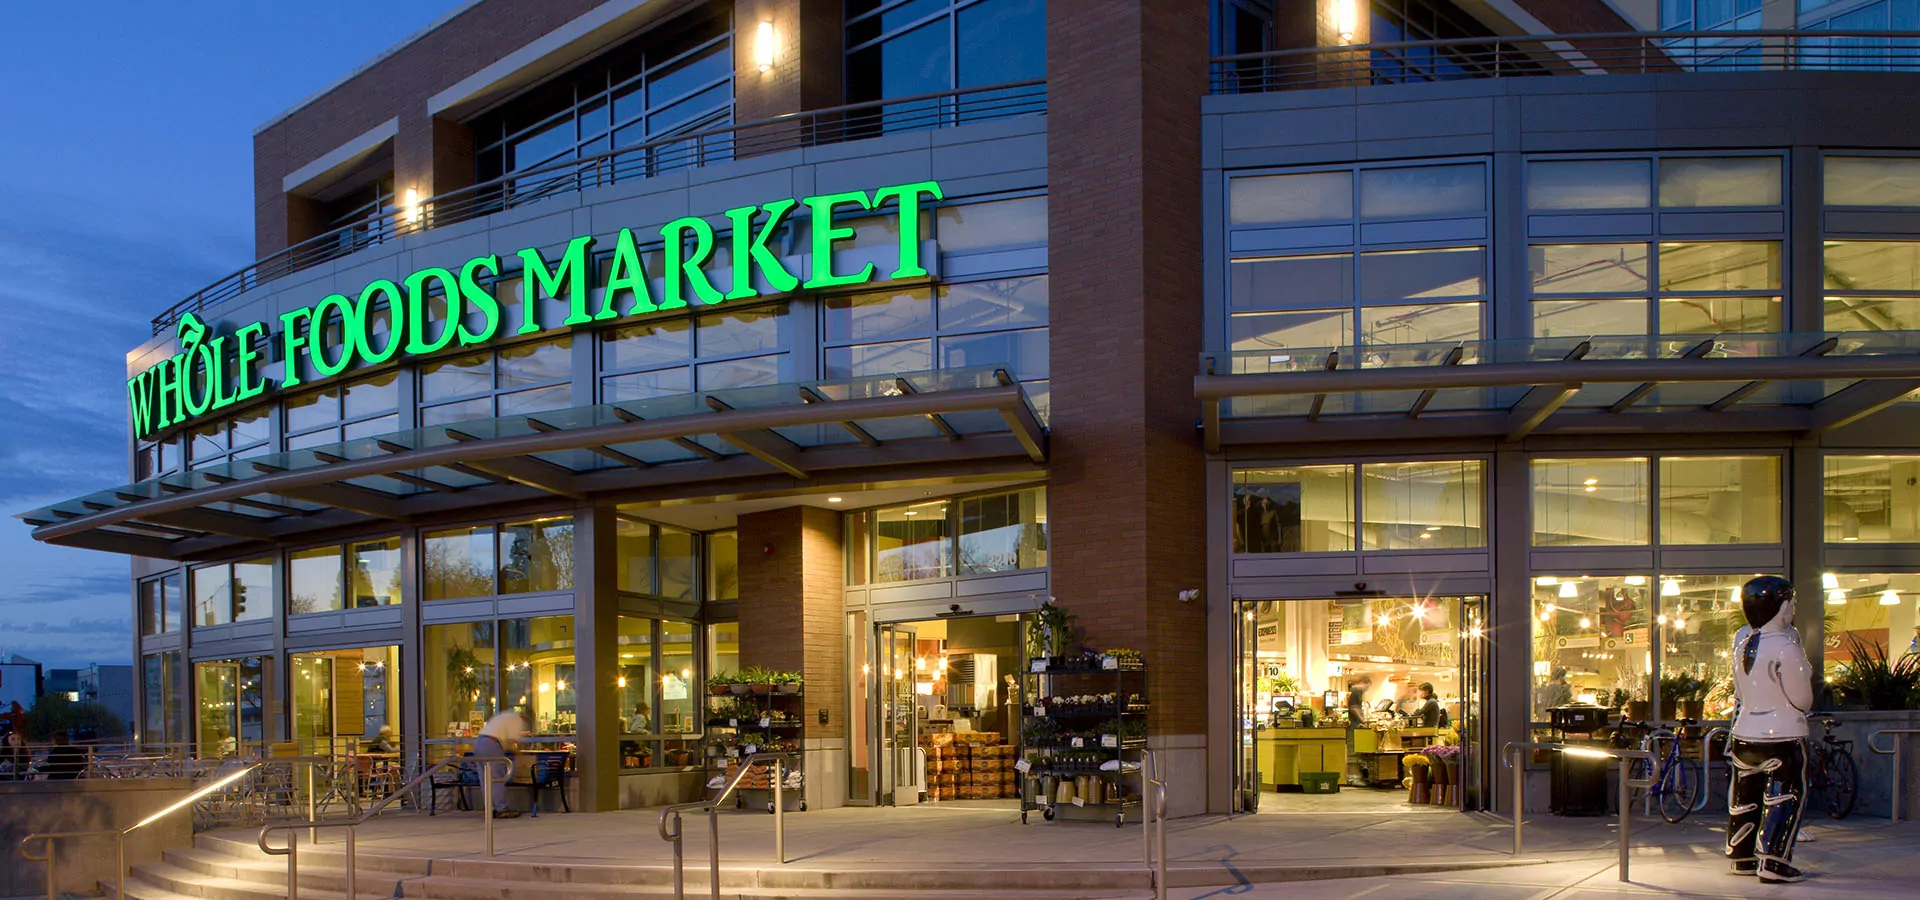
(1286, 752)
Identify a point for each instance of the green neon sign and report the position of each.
(214, 372)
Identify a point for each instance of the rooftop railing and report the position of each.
(1611, 53)
(703, 144)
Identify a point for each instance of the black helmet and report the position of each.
(1762, 598)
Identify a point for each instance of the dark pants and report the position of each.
(1758, 820)
(485, 745)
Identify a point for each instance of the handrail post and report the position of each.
(120, 866)
(1899, 757)
(1160, 789)
(779, 812)
(49, 842)
(293, 864)
(352, 870)
(1626, 814)
(1519, 793)
(713, 853)
(486, 803)
(313, 837)
(1146, 820)
(679, 862)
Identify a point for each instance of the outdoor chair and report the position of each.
(457, 780)
(549, 771)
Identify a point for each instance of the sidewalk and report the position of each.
(1400, 855)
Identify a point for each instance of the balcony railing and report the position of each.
(703, 144)
(1616, 53)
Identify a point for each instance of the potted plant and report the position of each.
(1870, 680)
(787, 682)
(463, 675)
(720, 685)
(1446, 769)
(759, 680)
(1681, 691)
(679, 756)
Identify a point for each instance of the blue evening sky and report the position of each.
(126, 183)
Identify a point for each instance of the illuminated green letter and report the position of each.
(290, 340)
(572, 271)
(140, 403)
(750, 250)
(687, 267)
(167, 392)
(418, 303)
(824, 234)
(360, 336)
(217, 372)
(909, 195)
(627, 274)
(472, 292)
(247, 359)
(317, 336)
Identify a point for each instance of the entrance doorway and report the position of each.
(942, 720)
(1334, 697)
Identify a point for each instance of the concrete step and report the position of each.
(149, 878)
(442, 888)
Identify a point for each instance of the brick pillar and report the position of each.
(791, 617)
(1126, 496)
(806, 71)
(431, 155)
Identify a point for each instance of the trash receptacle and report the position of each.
(1579, 782)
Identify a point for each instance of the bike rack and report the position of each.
(1510, 759)
(1153, 805)
(1899, 754)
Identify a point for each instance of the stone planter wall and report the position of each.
(1876, 770)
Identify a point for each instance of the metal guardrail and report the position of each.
(1509, 757)
(711, 808)
(47, 839)
(1153, 824)
(689, 149)
(1899, 754)
(312, 825)
(1602, 53)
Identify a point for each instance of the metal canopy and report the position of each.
(785, 432)
(1809, 383)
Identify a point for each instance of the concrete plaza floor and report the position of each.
(1408, 854)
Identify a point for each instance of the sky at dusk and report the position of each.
(126, 183)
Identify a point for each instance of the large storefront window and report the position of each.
(905, 49)
(538, 670)
(1422, 505)
(238, 592)
(359, 409)
(1870, 616)
(512, 381)
(461, 692)
(1720, 500)
(913, 542)
(1872, 285)
(1003, 532)
(999, 323)
(723, 565)
(160, 605)
(163, 713)
(525, 557)
(231, 699)
(1872, 499)
(1293, 509)
(658, 560)
(1591, 502)
(458, 563)
(1698, 617)
(352, 576)
(736, 348)
(1591, 640)
(342, 698)
(659, 688)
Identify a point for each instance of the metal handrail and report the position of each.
(1508, 756)
(1899, 753)
(47, 838)
(292, 852)
(710, 807)
(1153, 806)
(691, 148)
(1593, 53)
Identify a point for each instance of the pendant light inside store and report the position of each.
(1890, 597)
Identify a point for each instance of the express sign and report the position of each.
(211, 373)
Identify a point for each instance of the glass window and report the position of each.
(1719, 499)
(537, 654)
(877, 359)
(1720, 266)
(1699, 615)
(163, 698)
(373, 572)
(678, 563)
(633, 543)
(1003, 532)
(1291, 199)
(544, 362)
(521, 403)
(1423, 274)
(313, 580)
(372, 396)
(252, 589)
(313, 409)
(1420, 323)
(536, 556)
(462, 411)
(1719, 315)
(723, 565)
(734, 373)
(1720, 181)
(1002, 303)
(665, 343)
(1291, 330)
(878, 316)
(212, 595)
(1423, 192)
(457, 563)
(460, 687)
(1872, 266)
(635, 681)
(680, 681)
(1585, 318)
(1872, 181)
(912, 542)
(646, 385)
(1591, 640)
(249, 428)
(160, 605)
(1022, 353)
(1872, 499)
(743, 332)
(232, 697)
(1590, 502)
(1422, 505)
(461, 376)
(1292, 282)
(1588, 268)
(1868, 615)
(1294, 509)
(999, 224)
(1588, 184)
(859, 538)
(1872, 314)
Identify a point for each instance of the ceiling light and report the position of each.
(1426, 535)
(1586, 622)
(1546, 581)
(1829, 581)
(620, 682)
(1591, 482)
(1567, 589)
(1670, 587)
(1851, 538)
(1836, 597)
(833, 499)
(912, 513)
(1890, 597)
(1680, 624)
(1590, 489)
(1636, 580)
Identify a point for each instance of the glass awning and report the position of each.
(788, 431)
(1799, 382)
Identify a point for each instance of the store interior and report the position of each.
(1308, 666)
(950, 699)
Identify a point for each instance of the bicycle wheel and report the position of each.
(1679, 788)
(1842, 784)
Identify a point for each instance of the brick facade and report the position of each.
(1125, 501)
(791, 579)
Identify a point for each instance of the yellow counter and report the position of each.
(1284, 753)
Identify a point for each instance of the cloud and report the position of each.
(67, 587)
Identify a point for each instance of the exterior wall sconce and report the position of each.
(1346, 19)
(413, 209)
(763, 46)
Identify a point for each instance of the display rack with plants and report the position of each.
(756, 710)
(1083, 732)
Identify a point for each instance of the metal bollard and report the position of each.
(1146, 833)
(713, 853)
(1899, 757)
(1626, 814)
(1519, 795)
(313, 836)
(779, 811)
(293, 864)
(353, 879)
(486, 802)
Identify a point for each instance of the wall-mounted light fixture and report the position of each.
(1346, 19)
(414, 211)
(763, 46)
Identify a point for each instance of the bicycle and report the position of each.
(1677, 782)
(1831, 774)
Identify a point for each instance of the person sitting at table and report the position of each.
(384, 742)
(640, 722)
(64, 761)
(1426, 710)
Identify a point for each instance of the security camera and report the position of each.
(1188, 595)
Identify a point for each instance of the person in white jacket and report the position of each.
(1772, 689)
